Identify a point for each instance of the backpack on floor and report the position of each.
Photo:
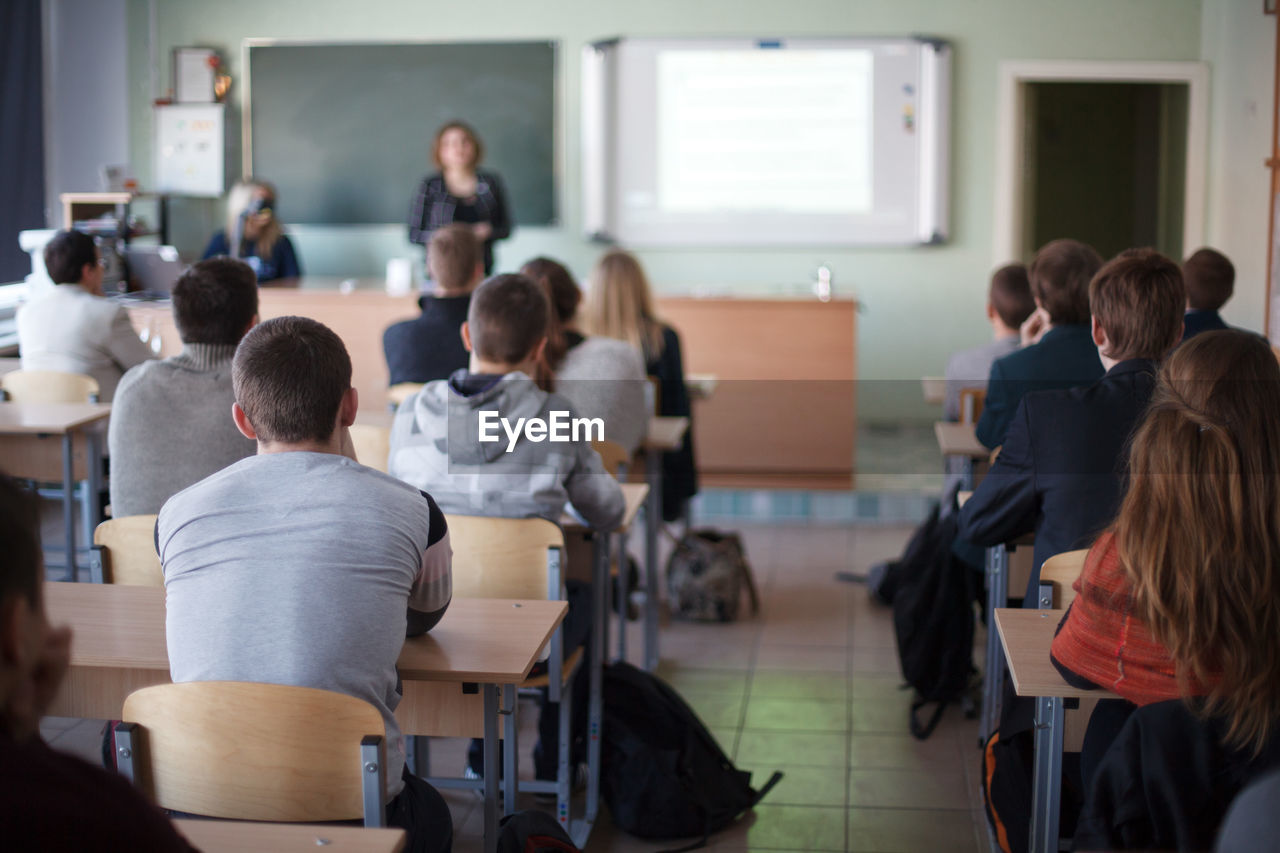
(933, 619)
(532, 831)
(664, 776)
(705, 576)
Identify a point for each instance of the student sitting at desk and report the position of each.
(1179, 597)
(1060, 471)
(430, 346)
(169, 426)
(1057, 351)
(300, 566)
(50, 801)
(435, 444)
(1210, 279)
(255, 234)
(71, 327)
(602, 378)
(1009, 304)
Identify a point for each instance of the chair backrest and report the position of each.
(126, 548)
(505, 557)
(245, 751)
(372, 444)
(971, 401)
(614, 456)
(1061, 571)
(402, 391)
(49, 386)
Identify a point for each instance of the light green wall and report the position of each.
(919, 303)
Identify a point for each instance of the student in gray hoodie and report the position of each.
(487, 441)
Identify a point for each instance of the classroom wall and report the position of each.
(87, 96)
(919, 304)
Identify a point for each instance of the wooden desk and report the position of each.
(234, 836)
(958, 441)
(119, 646)
(57, 442)
(1027, 636)
(934, 389)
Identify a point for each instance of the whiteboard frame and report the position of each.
(557, 144)
(598, 115)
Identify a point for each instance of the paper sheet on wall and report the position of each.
(190, 149)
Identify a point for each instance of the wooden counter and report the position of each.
(783, 412)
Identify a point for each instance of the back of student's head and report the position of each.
(1210, 279)
(507, 318)
(562, 290)
(1010, 295)
(289, 376)
(1199, 529)
(452, 257)
(215, 301)
(621, 306)
(1138, 299)
(66, 255)
(20, 558)
(1060, 275)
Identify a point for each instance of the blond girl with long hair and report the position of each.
(254, 233)
(1181, 596)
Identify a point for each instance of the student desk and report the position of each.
(1009, 564)
(119, 646)
(665, 434)
(57, 441)
(634, 494)
(234, 836)
(959, 441)
(934, 389)
(1027, 636)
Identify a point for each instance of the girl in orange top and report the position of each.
(1181, 597)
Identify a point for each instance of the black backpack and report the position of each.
(664, 775)
(533, 832)
(933, 618)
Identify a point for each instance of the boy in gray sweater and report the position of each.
(487, 442)
(170, 422)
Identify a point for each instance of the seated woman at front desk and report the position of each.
(254, 234)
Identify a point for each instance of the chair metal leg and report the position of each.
(622, 604)
(993, 681)
(510, 749)
(491, 747)
(1046, 791)
(373, 766)
(564, 773)
(652, 521)
(68, 519)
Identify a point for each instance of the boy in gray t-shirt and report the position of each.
(299, 565)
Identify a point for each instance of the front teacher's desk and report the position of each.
(119, 646)
(1027, 636)
(783, 411)
(52, 442)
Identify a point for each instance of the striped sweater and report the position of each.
(1103, 642)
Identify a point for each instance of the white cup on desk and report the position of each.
(399, 276)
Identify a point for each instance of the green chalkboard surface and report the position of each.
(344, 130)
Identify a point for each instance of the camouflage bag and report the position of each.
(705, 576)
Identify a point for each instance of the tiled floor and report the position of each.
(809, 687)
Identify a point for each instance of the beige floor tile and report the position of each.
(904, 752)
(888, 714)
(806, 786)
(779, 713)
(886, 788)
(881, 660)
(804, 658)
(765, 751)
(807, 685)
(688, 679)
(782, 827)
(909, 830)
(717, 710)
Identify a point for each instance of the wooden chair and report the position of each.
(232, 749)
(400, 392)
(522, 558)
(614, 456)
(372, 444)
(124, 552)
(1057, 575)
(971, 400)
(49, 386)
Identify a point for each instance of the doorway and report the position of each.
(1112, 154)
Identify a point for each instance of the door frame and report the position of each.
(1013, 78)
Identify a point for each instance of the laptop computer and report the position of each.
(154, 269)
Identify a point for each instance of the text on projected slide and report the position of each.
(768, 130)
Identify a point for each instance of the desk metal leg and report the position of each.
(622, 604)
(595, 704)
(1046, 791)
(68, 517)
(491, 747)
(993, 673)
(652, 520)
(93, 484)
(510, 749)
(966, 473)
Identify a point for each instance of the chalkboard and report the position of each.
(344, 131)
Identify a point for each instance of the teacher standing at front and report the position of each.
(460, 192)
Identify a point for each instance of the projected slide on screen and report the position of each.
(773, 131)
